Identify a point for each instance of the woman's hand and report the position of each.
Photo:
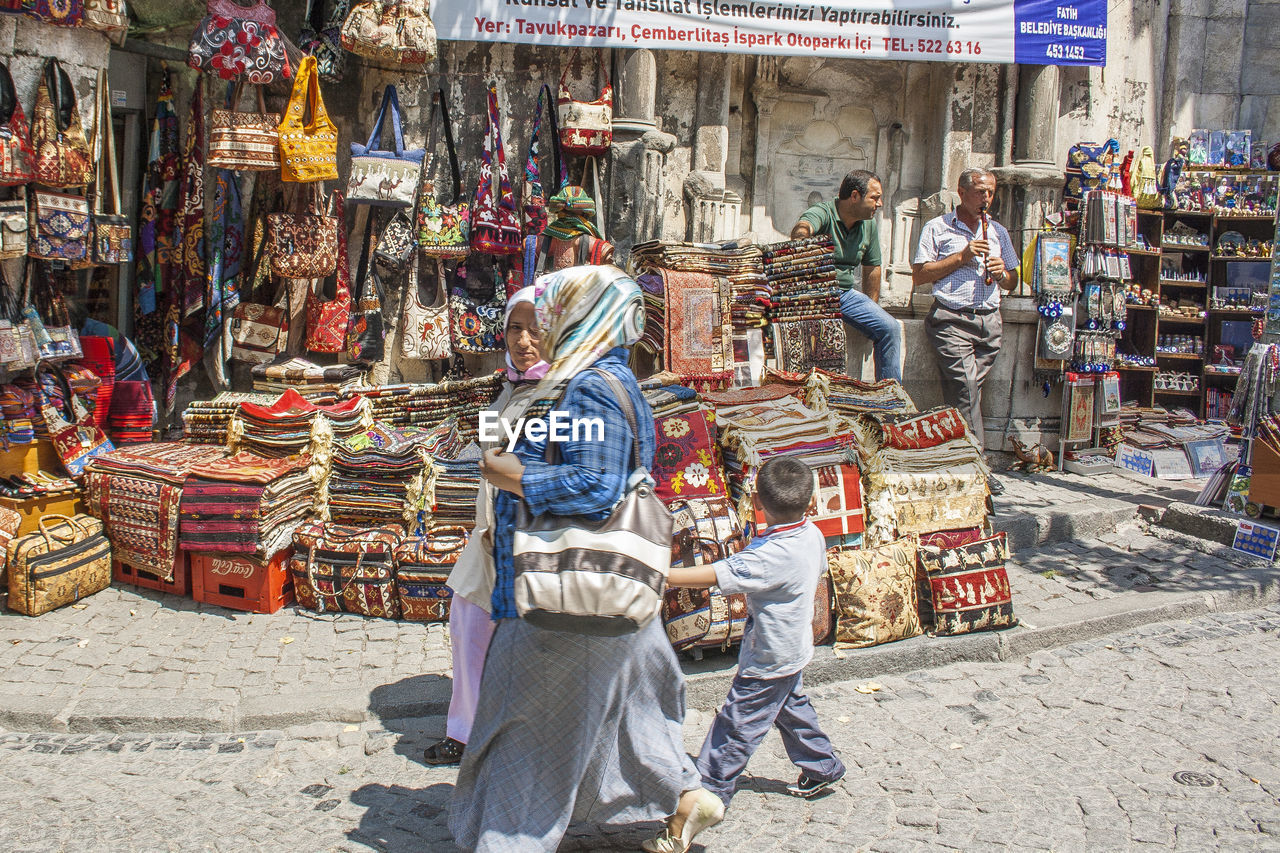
(503, 471)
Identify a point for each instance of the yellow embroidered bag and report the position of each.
(308, 150)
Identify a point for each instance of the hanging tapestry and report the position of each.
(222, 295)
(159, 206)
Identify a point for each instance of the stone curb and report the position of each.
(706, 685)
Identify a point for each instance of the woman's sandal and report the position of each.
(444, 752)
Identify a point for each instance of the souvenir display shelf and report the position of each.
(1199, 309)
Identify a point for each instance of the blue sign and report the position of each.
(1069, 32)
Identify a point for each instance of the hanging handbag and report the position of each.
(476, 325)
(17, 343)
(586, 127)
(396, 245)
(390, 33)
(235, 40)
(366, 330)
(244, 141)
(57, 338)
(308, 151)
(444, 231)
(327, 320)
(109, 17)
(534, 208)
(62, 156)
(62, 227)
(60, 13)
(15, 137)
(14, 228)
(76, 443)
(322, 38)
(260, 332)
(424, 331)
(380, 177)
(602, 578)
(306, 244)
(495, 227)
(112, 235)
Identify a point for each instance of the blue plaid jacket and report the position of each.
(591, 475)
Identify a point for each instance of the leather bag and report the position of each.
(305, 244)
(424, 330)
(68, 559)
(62, 156)
(495, 226)
(14, 228)
(109, 17)
(343, 568)
(586, 127)
(390, 33)
(602, 578)
(15, 136)
(322, 38)
(308, 150)
(245, 141)
(235, 40)
(112, 234)
(63, 227)
(327, 320)
(380, 177)
(444, 230)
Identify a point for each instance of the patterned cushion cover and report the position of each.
(685, 463)
(875, 594)
(969, 587)
(928, 429)
(839, 507)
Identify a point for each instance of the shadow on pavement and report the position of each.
(412, 710)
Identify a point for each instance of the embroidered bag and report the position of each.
(394, 34)
(685, 464)
(495, 227)
(15, 137)
(875, 591)
(424, 331)
(62, 227)
(534, 208)
(62, 157)
(340, 567)
(923, 430)
(586, 127)
(1089, 167)
(366, 331)
(62, 13)
(109, 17)
(423, 564)
(704, 531)
(396, 245)
(444, 231)
(322, 38)
(260, 332)
(308, 151)
(235, 40)
(14, 228)
(477, 326)
(307, 244)
(244, 141)
(327, 320)
(112, 234)
(1146, 186)
(380, 177)
(969, 586)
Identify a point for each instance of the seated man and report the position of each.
(849, 222)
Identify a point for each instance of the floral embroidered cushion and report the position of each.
(685, 463)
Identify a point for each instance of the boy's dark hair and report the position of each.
(785, 487)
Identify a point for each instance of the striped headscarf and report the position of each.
(575, 214)
(584, 312)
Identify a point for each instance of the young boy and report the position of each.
(778, 572)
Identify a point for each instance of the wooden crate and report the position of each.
(181, 583)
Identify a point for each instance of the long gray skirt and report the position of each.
(571, 729)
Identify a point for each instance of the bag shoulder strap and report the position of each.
(439, 99)
(390, 103)
(105, 142)
(628, 410)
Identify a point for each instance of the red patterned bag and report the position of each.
(305, 244)
(927, 429)
(62, 156)
(495, 226)
(586, 127)
(346, 568)
(15, 136)
(685, 463)
(327, 320)
(705, 530)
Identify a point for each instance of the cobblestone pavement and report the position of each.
(1160, 738)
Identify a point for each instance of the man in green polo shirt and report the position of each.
(850, 222)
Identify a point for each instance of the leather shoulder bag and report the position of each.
(603, 578)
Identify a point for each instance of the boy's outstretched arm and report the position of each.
(693, 576)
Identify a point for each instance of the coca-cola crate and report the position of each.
(239, 582)
(123, 573)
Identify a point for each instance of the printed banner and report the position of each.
(1033, 32)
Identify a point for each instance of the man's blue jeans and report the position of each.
(875, 324)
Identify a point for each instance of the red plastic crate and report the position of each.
(239, 583)
(121, 573)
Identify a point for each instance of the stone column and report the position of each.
(713, 211)
(638, 155)
(1036, 116)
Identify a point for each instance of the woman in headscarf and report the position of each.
(573, 728)
(471, 579)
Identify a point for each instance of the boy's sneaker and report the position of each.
(808, 787)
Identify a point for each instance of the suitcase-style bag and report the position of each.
(705, 530)
(68, 559)
(337, 567)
